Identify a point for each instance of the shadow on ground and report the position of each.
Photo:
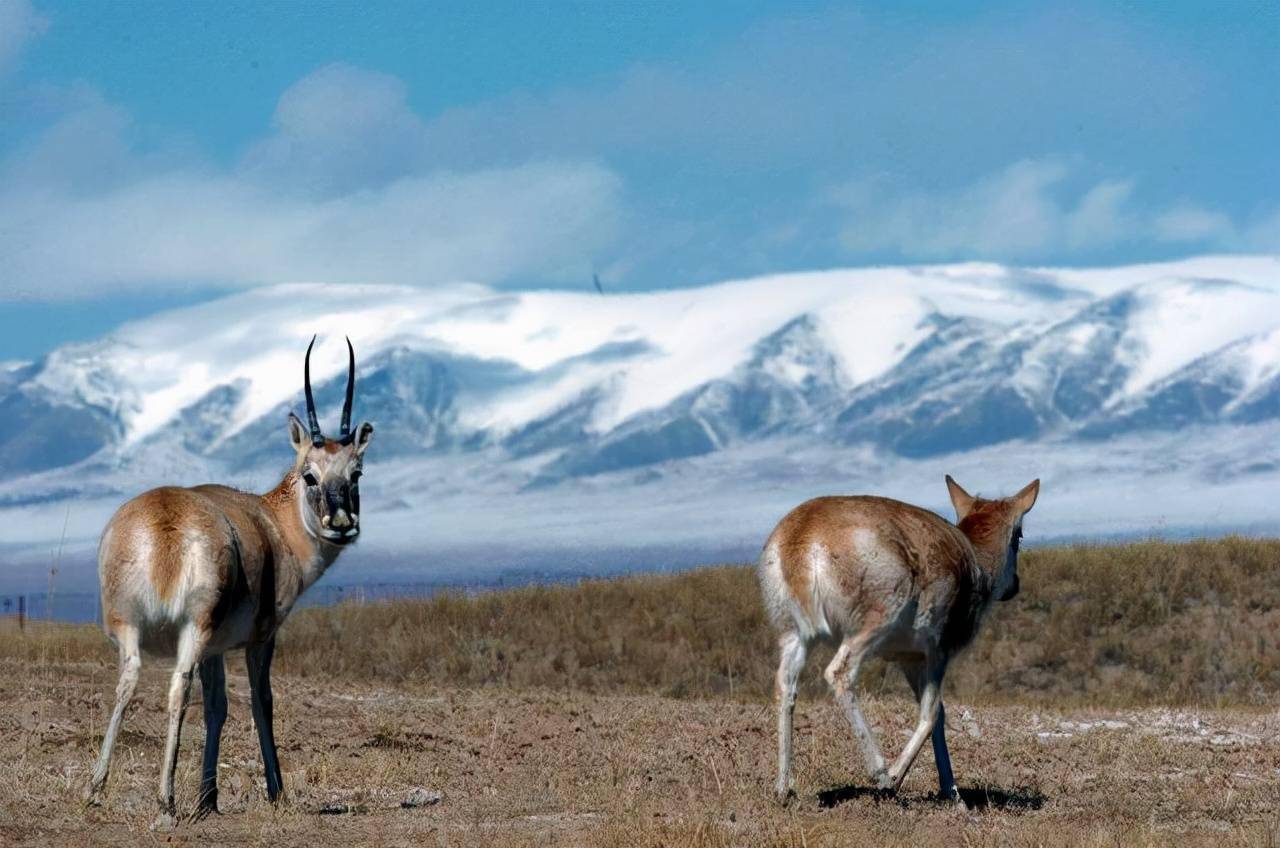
(975, 797)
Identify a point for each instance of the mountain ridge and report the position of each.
(530, 391)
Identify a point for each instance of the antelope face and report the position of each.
(995, 526)
(329, 469)
(330, 476)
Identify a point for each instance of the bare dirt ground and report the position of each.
(540, 767)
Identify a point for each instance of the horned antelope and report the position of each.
(193, 573)
(878, 577)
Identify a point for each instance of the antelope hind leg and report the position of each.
(190, 645)
(130, 665)
(789, 666)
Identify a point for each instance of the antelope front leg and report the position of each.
(930, 700)
(258, 658)
(946, 779)
(190, 644)
(842, 675)
(213, 684)
(914, 672)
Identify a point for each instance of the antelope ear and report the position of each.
(363, 433)
(1026, 499)
(960, 499)
(298, 433)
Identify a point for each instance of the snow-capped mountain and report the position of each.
(550, 392)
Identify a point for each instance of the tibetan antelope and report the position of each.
(194, 573)
(878, 577)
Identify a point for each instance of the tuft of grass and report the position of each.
(1111, 625)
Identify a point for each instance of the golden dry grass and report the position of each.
(1126, 697)
(1152, 622)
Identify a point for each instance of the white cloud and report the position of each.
(540, 220)
(19, 23)
(722, 148)
(1030, 208)
(340, 191)
(84, 148)
(1010, 212)
(1102, 217)
(1188, 222)
(338, 129)
(858, 85)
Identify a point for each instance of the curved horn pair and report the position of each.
(317, 438)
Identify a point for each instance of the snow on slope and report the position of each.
(917, 361)
(1257, 362)
(696, 415)
(152, 369)
(674, 341)
(1178, 320)
(1258, 271)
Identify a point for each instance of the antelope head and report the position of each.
(329, 469)
(995, 529)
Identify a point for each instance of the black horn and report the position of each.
(317, 438)
(351, 389)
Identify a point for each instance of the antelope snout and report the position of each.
(340, 520)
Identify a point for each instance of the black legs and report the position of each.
(213, 682)
(258, 659)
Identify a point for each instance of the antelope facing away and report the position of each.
(194, 573)
(878, 577)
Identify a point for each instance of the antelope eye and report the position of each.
(310, 479)
(355, 475)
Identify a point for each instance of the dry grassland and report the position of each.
(1128, 696)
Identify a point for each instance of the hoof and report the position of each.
(164, 823)
(203, 811)
(207, 805)
(92, 796)
(884, 782)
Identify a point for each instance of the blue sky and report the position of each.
(153, 154)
